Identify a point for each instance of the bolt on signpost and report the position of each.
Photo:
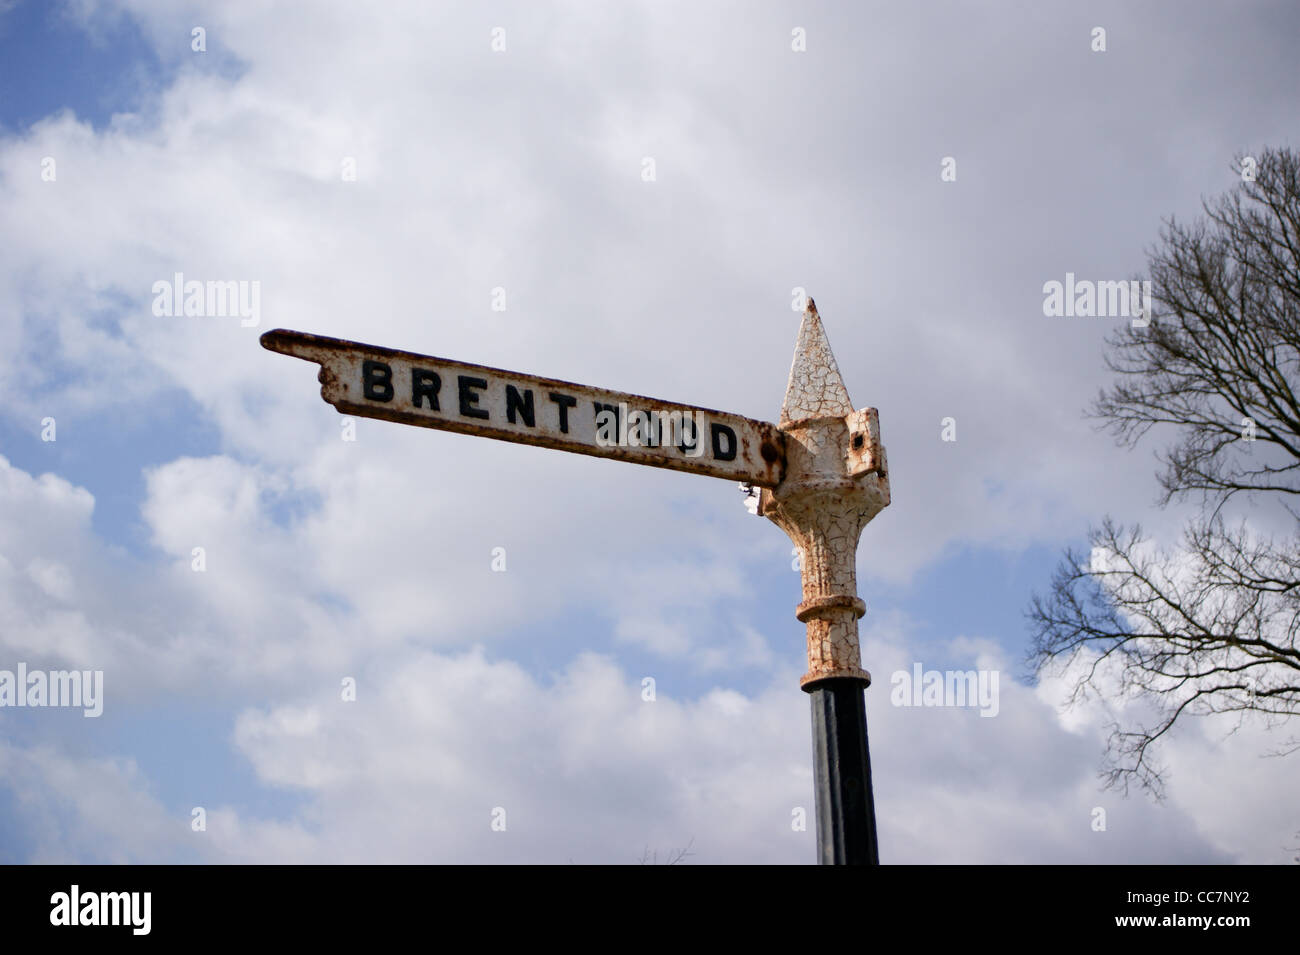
(821, 472)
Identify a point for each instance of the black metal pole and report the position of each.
(846, 810)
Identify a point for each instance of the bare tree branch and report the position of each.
(1210, 627)
(674, 856)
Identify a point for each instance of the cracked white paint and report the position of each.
(816, 389)
(824, 501)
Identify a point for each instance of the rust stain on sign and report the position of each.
(431, 392)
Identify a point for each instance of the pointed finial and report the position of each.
(816, 389)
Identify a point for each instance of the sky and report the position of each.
(389, 173)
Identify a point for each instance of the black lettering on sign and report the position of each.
(468, 399)
(377, 380)
(721, 431)
(690, 436)
(597, 407)
(523, 405)
(641, 428)
(565, 403)
(425, 384)
(651, 429)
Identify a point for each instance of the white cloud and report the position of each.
(585, 769)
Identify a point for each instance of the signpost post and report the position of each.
(821, 472)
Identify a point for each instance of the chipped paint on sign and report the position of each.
(816, 389)
(836, 481)
(430, 392)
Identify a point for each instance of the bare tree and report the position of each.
(1210, 626)
(673, 856)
